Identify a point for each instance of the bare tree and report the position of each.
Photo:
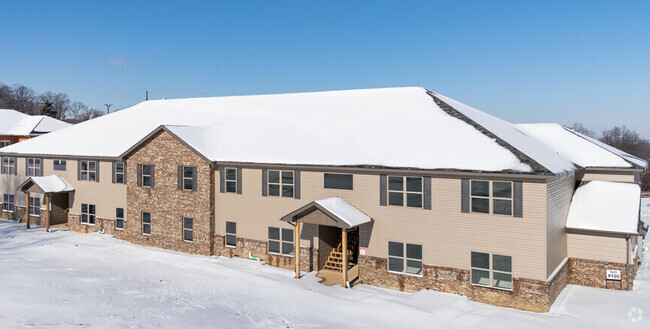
(54, 104)
(627, 140)
(6, 94)
(583, 130)
(89, 113)
(76, 109)
(24, 99)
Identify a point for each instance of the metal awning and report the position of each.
(339, 212)
(46, 184)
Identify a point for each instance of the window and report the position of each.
(147, 175)
(119, 218)
(59, 165)
(400, 193)
(9, 165)
(119, 173)
(34, 167)
(280, 183)
(500, 195)
(188, 229)
(5, 142)
(8, 202)
(499, 275)
(88, 170)
(34, 206)
(231, 180)
(188, 178)
(398, 262)
(338, 181)
(281, 241)
(231, 234)
(146, 223)
(88, 214)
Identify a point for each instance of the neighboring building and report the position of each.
(411, 189)
(17, 126)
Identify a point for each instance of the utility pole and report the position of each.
(146, 96)
(108, 108)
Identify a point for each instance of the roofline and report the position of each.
(153, 133)
(536, 166)
(289, 218)
(634, 165)
(614, 169)
(600, 232)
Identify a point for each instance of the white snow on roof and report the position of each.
(344, 211)
(572, 146)
(14, 123)
(52, 184)
(393, 127)
(605, 206)
(629, 157)
(510, 134)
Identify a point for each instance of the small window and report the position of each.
(188, 229)
(147, 175)
(146, 223)
(5, 142)
(88, 214)
(405, 260)
(231, 180)
(499, 275)
(9, 165)
(338, 181)
(88, 170)
(8, 202)
(281, 241)
(59, 165)
(188, 178)
(119, 218)
(34, 167)
(405, 191)
(119, 172)
(280, 183)
(231, 234)
(34, 206)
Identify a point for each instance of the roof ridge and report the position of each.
(585, 137)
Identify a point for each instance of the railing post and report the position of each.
(47, 212)
(344, 247)
(296, 252)
(27, 209)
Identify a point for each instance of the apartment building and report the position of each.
(17, 126)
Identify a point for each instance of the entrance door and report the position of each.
(58, 210)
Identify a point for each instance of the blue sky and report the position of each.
(523, 61)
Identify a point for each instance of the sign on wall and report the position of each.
(362, 251)
(614, 275)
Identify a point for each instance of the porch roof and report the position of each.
(46, 184)
(344, 214)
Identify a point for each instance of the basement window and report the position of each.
(146, 223)
(188, 229)
(231, 234)
(281, 241)
(8, 203)
(405, 263)
(119, 218)
(34, 206)
(88, 214)
(499, 275)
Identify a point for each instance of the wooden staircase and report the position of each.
(335, 259)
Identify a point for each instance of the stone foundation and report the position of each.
(592, 273)
(246, 247)
(19, 214)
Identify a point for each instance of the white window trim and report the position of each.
(142, 175)
(491, 198)
(226, 234)
(280, 183)
(9, 166)
(88, 171)
(123, 221)
(186, 229)
(226, 180)
(404, 192)
(406, 260)
(123, 173)
(491, 271)
(34, 168)
(280, 241)
(142, 223)
(88, 214)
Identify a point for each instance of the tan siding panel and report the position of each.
(623, 178)
(608, 249)
(559, 195)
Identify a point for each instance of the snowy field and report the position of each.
(65, 280)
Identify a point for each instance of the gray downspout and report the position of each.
(627, 261)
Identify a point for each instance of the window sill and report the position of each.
(490, 287)
(146, 234)
(229, 246)
(89, 224)
(279, 254)
(11, 211)
(32, 215)
(408, 274)
(119, 229)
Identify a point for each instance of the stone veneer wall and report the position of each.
(530, 295)
(19, 213)
(165, 202)
(592, 273)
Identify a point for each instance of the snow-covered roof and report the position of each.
(573, 146)
(49, 184)
(344, 211)
(605, 206)
(629, 157)
(14, 123)
(392, 127)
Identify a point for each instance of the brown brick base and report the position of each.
(245, 248)
(19, 214)
(592, 273)
(529, 295)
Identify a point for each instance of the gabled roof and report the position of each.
(605, 207)
(390, 127)
(342, 213)
(580, 149)
(46, 184)
(14, 123)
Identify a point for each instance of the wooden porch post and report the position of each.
(296, 252)
(47, 212)
(27, 212)
(344, 249)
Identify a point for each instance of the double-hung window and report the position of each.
(492, 270)
(119, 172)
(34, 167)
(188, 178)
(404, 258)
(281, 241)
(146, 223)
(59, 165)
(34, 206)
(231, 180)
(88, 170)
(147, 175)
(405, 190)
(8, 202)
(9, 165)
(231, 234)
(491, 197)
(119, 218)
(188, 229)
(281, 183)
(88, 214)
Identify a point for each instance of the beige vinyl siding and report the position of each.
(602, 248)
(10, 183)
(559, 194)
(610, 177)
(447, 235)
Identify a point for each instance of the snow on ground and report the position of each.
(645, 210)
(64, 279)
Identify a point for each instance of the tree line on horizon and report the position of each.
(53, 104)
